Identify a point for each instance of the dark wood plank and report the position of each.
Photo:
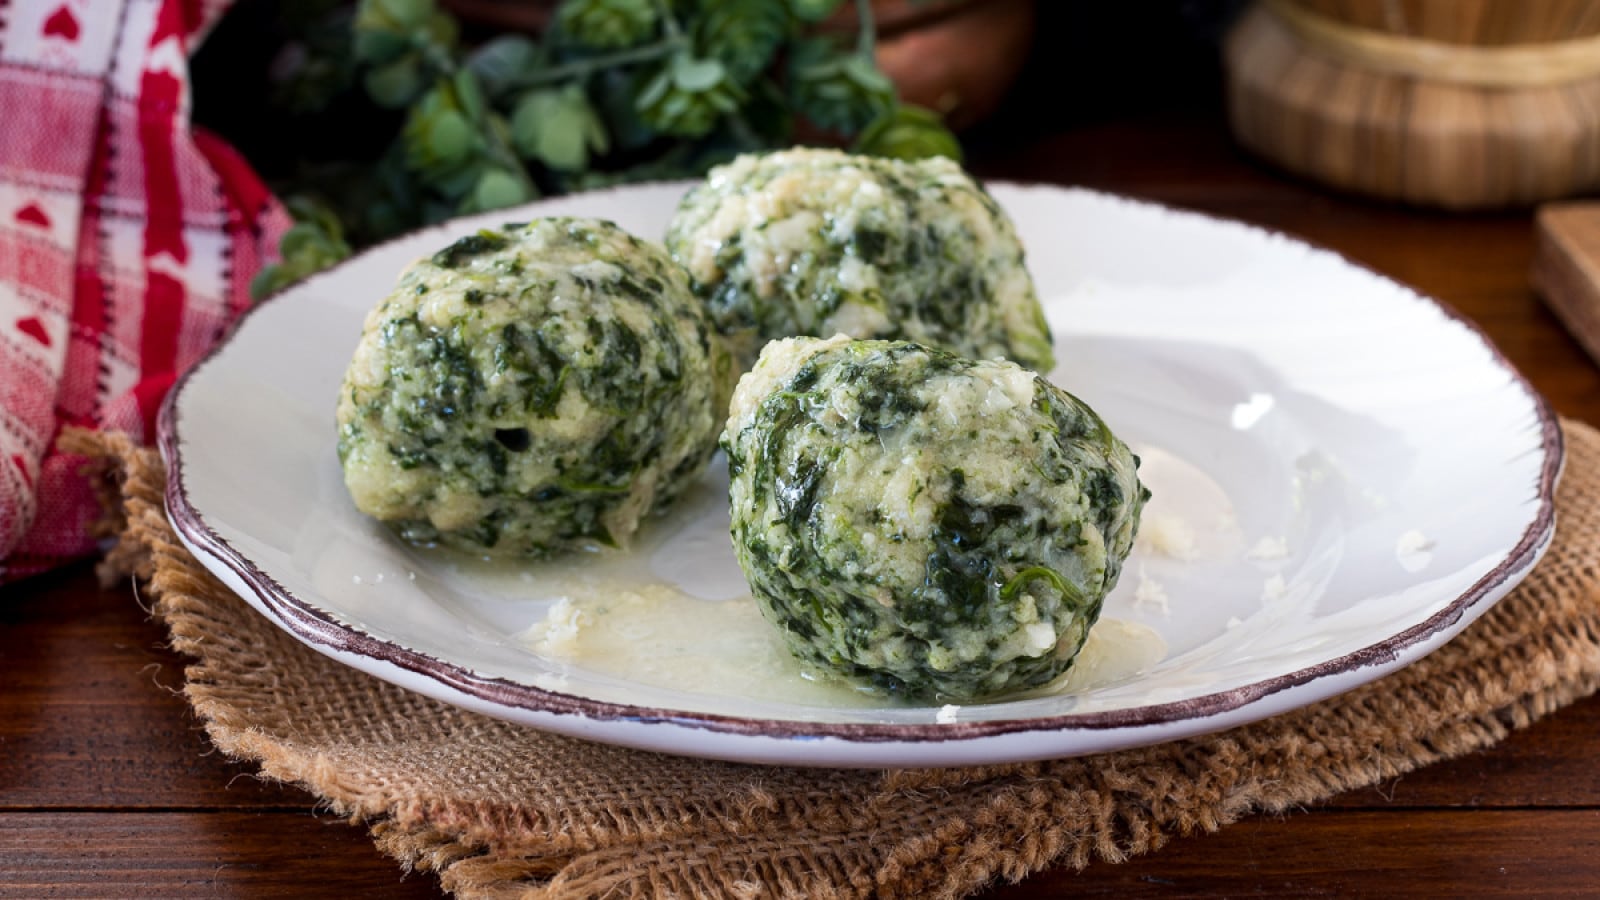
(1183, 160)
(1362, 854)
(1567, 268)
(89, 710)
(196, 854)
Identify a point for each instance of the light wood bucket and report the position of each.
(1461, 104)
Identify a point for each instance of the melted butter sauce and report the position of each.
(661, 636)
(675, 612)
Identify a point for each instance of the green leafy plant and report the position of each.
(613, 91)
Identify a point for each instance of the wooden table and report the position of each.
(108, 786)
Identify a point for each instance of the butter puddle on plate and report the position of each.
(657, 635)
(675, 613)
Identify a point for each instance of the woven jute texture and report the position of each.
(498, 810)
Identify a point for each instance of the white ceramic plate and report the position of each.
(1361, 472)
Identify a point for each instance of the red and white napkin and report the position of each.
(127, 243)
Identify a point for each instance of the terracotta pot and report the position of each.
(956, 56)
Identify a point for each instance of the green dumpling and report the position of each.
(530, 389)
(936, 526)
(820, 242)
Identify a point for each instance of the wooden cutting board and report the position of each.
(1566, 268)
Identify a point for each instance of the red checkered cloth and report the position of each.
(127, 243)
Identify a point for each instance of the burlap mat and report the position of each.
(498, 810)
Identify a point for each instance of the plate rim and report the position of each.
(320, 630)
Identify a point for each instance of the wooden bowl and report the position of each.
(1460, 104)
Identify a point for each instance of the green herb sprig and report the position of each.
(613, 91)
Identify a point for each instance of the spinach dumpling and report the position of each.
(530, 389)
(931, 525)
(819, 242)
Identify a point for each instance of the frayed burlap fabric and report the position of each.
(502, 811)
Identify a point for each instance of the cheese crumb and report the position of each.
(1414, 550)
(1411, 542)
(1269, 548)
(1169, 535)
(557, 634)
(946, 714)
(1151, 593)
